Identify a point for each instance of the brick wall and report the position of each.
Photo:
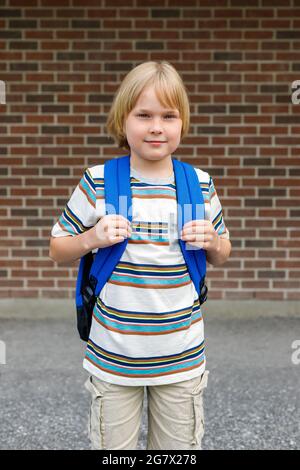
(62, 60)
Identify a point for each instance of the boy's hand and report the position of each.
(109, 230)
(201, 233)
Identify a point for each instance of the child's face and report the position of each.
(150, 121)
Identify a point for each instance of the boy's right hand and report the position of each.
(109, 230)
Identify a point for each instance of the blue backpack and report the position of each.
(95, 270)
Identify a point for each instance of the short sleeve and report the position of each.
(216, 213)
(80, 212)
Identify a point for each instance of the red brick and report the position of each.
(237, 61)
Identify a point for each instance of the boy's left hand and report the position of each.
(201, 233)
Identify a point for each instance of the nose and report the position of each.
(155, 126)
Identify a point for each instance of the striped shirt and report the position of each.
(147, 326)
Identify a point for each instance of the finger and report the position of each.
(196, 223)
(193, 231)
(117, 218)
(198, 237)
(120, 232)
(121, 222)
(116, 239)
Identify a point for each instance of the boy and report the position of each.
(147, 327)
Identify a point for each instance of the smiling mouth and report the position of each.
(155, 141)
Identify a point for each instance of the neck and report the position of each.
(159, 169)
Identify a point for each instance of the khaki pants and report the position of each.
(175, 415)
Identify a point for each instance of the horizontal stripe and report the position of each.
(142, 190)
(133, 323)
(69, 222)
(148, 285)
(148, 316)
(146, 330)
(145, 361)
(136, 241)
(150, 276)
(87, 186)
(150, 269)
(188, 366)
(144, 367)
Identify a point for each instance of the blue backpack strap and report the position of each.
(198, 211)
(190, 207)
(93, 270)
(117, 192)
(79, 281)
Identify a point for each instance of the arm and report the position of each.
(220, 253)
(70, 248)
(109, 230)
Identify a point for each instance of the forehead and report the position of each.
(149, 101)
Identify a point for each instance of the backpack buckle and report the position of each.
(88, 291)
(87, 294)
(203, 292)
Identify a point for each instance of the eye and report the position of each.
(172, 116)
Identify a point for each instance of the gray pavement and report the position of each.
(252, 400)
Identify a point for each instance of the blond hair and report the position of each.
(169, 89)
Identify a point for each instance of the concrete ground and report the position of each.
(252, 400)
